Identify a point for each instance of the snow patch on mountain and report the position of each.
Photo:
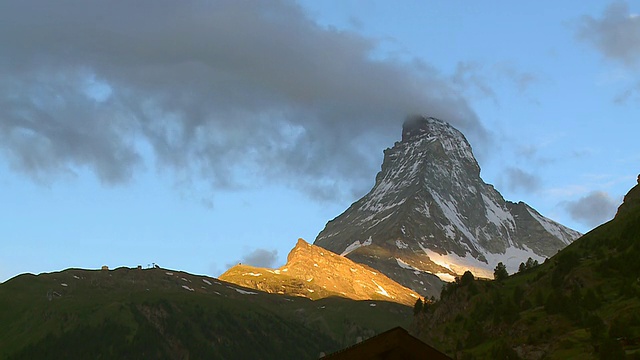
(401, 244)
(243, 292)
(377, 221)
(424, 210)
(251, 274)
(453, 142)
(378, 207)
(356, 244)
(446, 277)
(553, 228)
(404, 265)
(511, 258)
(381, 290)
(453, 215)
(497, 214)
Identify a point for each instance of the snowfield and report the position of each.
(243, 292)
(447, 277)
(511, 259)
(252, 274)
(356, 244)
(554, 229)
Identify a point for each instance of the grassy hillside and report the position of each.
(584, 303)
(163, 314)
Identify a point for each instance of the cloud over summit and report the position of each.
(261, 258)
(222, 91)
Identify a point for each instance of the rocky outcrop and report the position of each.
(315, 273)
(631, 200)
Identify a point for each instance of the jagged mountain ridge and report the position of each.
(130, 313)
(430, 212)
(316, 273)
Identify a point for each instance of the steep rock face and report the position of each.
(429, 212)
(316, 273)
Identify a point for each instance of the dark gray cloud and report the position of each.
(260, 258)
(228, 91)
(616, 34)
(592, 209)
(520, 180)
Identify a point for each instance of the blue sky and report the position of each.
(201, 134)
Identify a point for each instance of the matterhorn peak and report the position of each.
(417, 125)
(429, 213)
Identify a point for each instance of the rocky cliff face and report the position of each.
(316, 273)
(429, 212)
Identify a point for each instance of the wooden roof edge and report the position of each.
(397, 331)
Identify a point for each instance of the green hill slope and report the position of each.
(583, 303)
(162, 314)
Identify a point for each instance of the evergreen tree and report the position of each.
(530, 264)
(467, 278)
(500, 272)
(417, 308)
(425, 306)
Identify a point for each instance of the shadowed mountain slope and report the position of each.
(583, 303)
(162, 314)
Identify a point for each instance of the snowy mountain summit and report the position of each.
(430, 217)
